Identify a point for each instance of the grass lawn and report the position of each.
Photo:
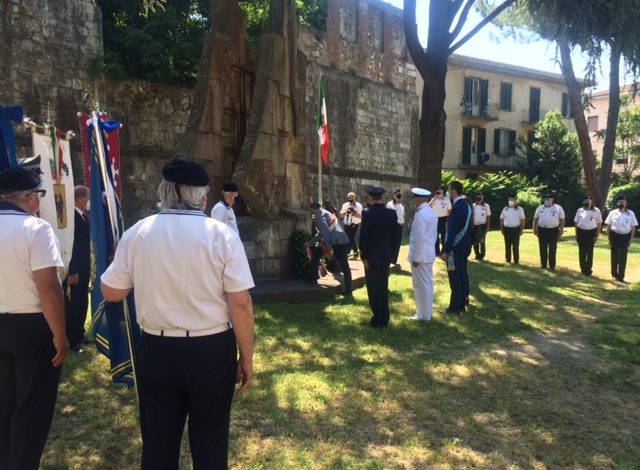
(543, 371)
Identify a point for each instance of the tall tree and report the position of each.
(447, 18)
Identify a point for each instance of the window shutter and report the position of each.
(534, 104)
(505, 96)
(466, 145)
(496, 142)
(482, 140)
(512, 142)
(468, 90)
(484, 97)
(565, 105)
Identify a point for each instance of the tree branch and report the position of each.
(453, 11)
(461, 21)
(488, 19)
(411, 36)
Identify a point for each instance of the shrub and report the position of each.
(631, 191)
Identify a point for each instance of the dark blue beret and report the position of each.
(230, 187)
(181, 171)
(18, 179)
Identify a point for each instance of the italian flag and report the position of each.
(322, 127)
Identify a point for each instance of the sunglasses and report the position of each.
(40, 192)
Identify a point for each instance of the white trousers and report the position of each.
(422, 278)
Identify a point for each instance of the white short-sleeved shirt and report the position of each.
(27, 244)
(399, 208)
(441, 206)
(549, 217)
(349, 218)
(621, 222)
(181, 264)
(480, 213)
(512, 216)
(224, 213)
(588, 219)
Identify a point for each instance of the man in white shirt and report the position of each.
(442, 207)
(223, 210)
(481, 225)
(548, 226)
(396, 205)
(422, 253)
(512, 220)
(351, 213)
(33, 341)
(191, 278)
(588, 221)
(621, 228)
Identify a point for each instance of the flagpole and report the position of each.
(319, 173)
(116, 238)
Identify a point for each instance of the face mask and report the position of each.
(585, 205)
(512, 203)
(547, 203)
(620, 206)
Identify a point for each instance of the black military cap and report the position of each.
(181, 171)
(315, 205)
(586, 196)
(513, 196)
(551, 195)
(18, 179)
(621, 198)
(375, 191)
(230, 187)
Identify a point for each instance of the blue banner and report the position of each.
(7, 137)
(109, 325)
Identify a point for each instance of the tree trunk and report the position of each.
(575, 102)
(609, 148)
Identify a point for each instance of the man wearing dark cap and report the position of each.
(33, 342)
(588, 222)
(512, 221)
(548, 226)
(378, 237)
(396, 204)
(223, 210)
(481, 225)
(621, 228)
(191, 278)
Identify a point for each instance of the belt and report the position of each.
(188, 333)
(619, 233)
(511, 226)
(542, 226)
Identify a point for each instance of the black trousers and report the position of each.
(511, 243)
(548, 244)
(586, 241)
(479, 235)
(377, 278)
(75, 309)
(351, 231)
(396, 247)
(186, 377)
(619, 249)
(28, 389)
(459, 283)
(442, 232)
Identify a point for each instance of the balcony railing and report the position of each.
(488, 112)
(487, 160)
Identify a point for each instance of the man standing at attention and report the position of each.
(76, 285)
(621, 228)
(33, 342)
(457, 249)
(377, 239)
(422, 254)
(548, 225)
(193, 305)
(481, 225)
(442, 207)
(512, 221)
(223, 210)
(351, 214)
(396, 205)
(588, 222)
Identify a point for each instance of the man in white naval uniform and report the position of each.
(223, 210)
(422, 253)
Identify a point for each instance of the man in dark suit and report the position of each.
(76, 286)
(457, 248)
(377, 238)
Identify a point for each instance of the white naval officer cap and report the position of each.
(420, 192)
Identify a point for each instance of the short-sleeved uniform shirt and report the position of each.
(399, 208)
(181, 264)
(549, 217)
(621, 222)
(224, 213)
(512, 216)
(480, 213)
(27, 244)
(441, 206)
(588, 219)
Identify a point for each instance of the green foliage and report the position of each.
(161, 43)
(631, 191)
(301, 262)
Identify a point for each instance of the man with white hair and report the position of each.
(191, 278)
(351, 214)
(223, 210)
(422, 253)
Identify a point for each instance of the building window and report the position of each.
(534, 104)
(475, 100)
(504, 142)
(566, 112)
(592, 122)
(505, 96)
(474, 142)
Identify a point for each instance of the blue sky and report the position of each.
(489, 44)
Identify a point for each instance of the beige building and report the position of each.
(489, 106)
